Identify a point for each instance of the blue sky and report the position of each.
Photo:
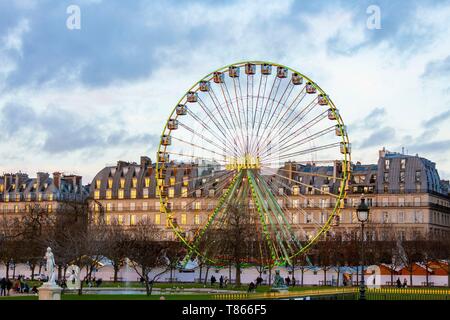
(76, 100)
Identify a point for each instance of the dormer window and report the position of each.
(387, 164)
(402, 164)
(134, 182)
(122, 183)
(98, 184)
(147, 182)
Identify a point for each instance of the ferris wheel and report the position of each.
(263, 136)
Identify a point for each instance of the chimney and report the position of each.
(382, 153)
(57, 180)
(40, 179)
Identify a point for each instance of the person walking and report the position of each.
(405, 283)
(221, 281)
(3, 287)
(399, 283)
(213, 280)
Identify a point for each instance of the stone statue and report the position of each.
(50, 266)
(73, 275)
(278, 282)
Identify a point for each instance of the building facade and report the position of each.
(19, 193)
(404, 192)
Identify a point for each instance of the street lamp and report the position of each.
(363, 215)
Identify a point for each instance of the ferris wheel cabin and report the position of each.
(333, 114)
(250, 69)
(218, 77)
(282, 72)
(192, 97)
(233, 72)
(310, 88)
(204, 86)
(297, 79)
(266, 69)
(323, 99)
(172, 124)
(181, 110)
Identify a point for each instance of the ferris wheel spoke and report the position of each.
(289, 125)
(280, 221)
(312, 174)
(301, 152)
(206, 127)
(264, 112)
(223, 200)
(199, 147)
(223, 147)
(262, 80)
(307, 185)
(210, 116)
(232, 113)
(280, 102)
(283, 146)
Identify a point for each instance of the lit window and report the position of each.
(183, 218)
(96, 195)
(295, 190)
(122, 183)
(49, 208)
(121, 193)
(145, 193)
(184, 192)
(7, 197)
(197, 219)
(16, 209)
(144, 206)
(98, 184)
(172, 181)
(157, 218)
(134, 182)
(133, 220)
(27, 208)
(147, 182)
(133, 193)
(108, 194)
(110, 183)
(185, 181)
(108, 219)
(295, 203)
(96, 207)
(120, 220)
(197, 205)
(109, 207)
(17, 196)
(171, 192)
(40, 196)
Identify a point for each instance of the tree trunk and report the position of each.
(238, 274)
(303, 272)
(206, 275)
(357, 275)
(229, 274)
(293, 276)
(7, 270)
(200, 274)
(116, 271)
(426, 273)
(64, 272)
(392, 276)
(32, 268)
(14, 271)
(411, 277)
(324, 276)
(40, 268)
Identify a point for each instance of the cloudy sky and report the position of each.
(77, 100)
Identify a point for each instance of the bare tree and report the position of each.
(148, 251)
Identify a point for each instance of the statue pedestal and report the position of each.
(280, 289)
(50, 292)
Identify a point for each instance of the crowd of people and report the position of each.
(17, 286)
